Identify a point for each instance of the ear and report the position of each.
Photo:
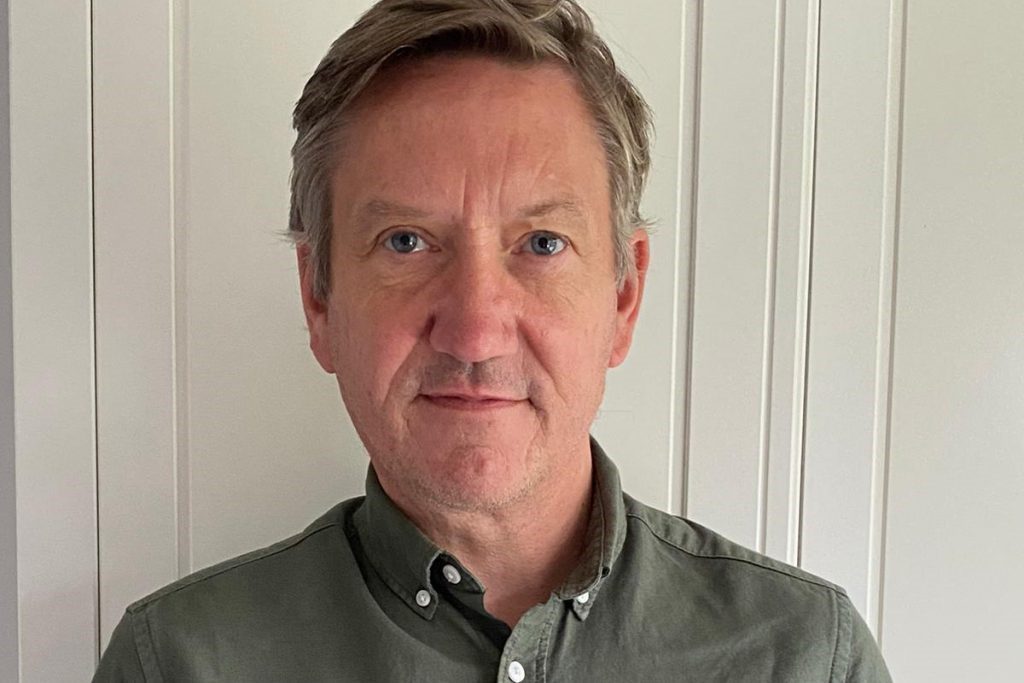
(315, 310)
(629, 297)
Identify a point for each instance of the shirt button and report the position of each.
(423, 598)
(451, 574)
(582, 598)
(516, 672)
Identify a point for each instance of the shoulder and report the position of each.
(762, 608)
(225, 617)
(696, 544)
(276, 563)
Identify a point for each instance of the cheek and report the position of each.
(371, 346)
(573, 342)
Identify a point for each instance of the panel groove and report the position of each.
(178, 79)
(90, 114)
(892, 174)
(771, 276)
(698, 24)
(804, 278)
(677, 445)
(10, 629)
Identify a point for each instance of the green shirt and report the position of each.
(362, 595)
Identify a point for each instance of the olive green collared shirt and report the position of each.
(362, 595)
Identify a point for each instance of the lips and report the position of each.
(472, 402)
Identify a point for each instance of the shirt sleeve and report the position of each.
(120, 662)
(866, 663)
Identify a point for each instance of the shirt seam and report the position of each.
(844, 627)
(142, 637)
(778, 570)
(210, 573)
(835, 647)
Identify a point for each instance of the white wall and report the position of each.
(954, 557)
(8, 508)
(53, 307)
(829, 366)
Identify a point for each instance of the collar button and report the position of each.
(451, 574)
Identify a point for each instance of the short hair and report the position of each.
(517, 31)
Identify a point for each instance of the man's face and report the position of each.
(473, 309)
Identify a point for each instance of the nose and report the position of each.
(475, 314)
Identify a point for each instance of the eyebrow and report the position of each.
(560, 204)
(381, 208)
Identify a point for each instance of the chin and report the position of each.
(475, 477)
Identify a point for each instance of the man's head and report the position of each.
(465, 198)
(517, 31)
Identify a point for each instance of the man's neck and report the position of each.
(520, 552)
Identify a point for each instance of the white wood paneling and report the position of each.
(795, 112)
(731, 261)
(888, 261)
(639, 421)
(135, 302)
(270, 446)
(832, 329)
(686, 242)
(8, 498)
(51, 243)
(848, 237)
(953, 595)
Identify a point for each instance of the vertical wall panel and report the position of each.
(731, 256)
(179, 42)
(51, 246)
(888, 261)
(953, 592)
(686, 231)
(797, 108)
(848, 211)
(270, 446)
(134, 302)
(638, 422)
(8, 501)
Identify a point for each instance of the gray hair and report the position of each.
(520, 31)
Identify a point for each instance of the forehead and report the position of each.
(428, 122)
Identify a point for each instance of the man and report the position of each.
(465, 202)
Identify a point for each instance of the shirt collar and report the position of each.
(404, 556)
(396, 548)
(606, 534)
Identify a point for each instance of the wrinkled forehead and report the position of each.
(443, 81)
(429, 121)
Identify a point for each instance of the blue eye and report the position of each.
(546, 244)
(404, 242)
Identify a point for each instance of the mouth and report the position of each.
(471, 403)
